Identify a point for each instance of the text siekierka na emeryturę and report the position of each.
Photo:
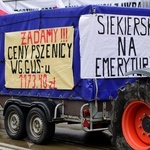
(33, 57)
(128, 32)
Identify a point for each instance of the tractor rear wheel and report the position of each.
(130, 123)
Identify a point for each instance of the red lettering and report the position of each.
(52, 84)
(36, 37)
(43, 37)
(39, 36)
(55, 34)
(23, 42)
(30, 38)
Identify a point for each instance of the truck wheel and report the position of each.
(14, 122)
(130, 123)
(39, 130)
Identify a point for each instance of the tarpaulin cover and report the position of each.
(84, 89)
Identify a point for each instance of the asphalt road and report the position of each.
(66, 137)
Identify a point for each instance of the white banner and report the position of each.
(111, 45)
(31, 5)
(5, 9)
(121, 3)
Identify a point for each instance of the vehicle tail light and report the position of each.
(86, 113)
(86, 124)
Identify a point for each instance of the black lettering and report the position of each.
(145, 29)
(54, 51)
(133, 61)
(21, 52)
(132, 47)
(106, 62)
(27, 70)
(61, 55)
(69, 45)
(121, 46)
(139, 4)
(107, 25)
(126, 63)
(15, 52)
(47, 51)
(136, 24)
(112, 25)
(116, 4)
(38, 66)
(119, 27)
(102, 27)
(120, 64)
(97, 67)
(47, 69)
(134, 4)
(19, 66)
(33, 49)
(145, 62)
(13, 68)
(33, 66)
(112, 67)
(9, 53)
(42, 51)
(37, 56)
(128, 25)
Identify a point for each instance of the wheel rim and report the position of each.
(13, 122)
(36, 126)
(136, 125)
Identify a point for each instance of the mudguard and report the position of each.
(26, 104)
(143, 71)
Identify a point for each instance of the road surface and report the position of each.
(66, 137)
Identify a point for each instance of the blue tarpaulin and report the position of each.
(84, 89)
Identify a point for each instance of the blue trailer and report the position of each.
(69, 65)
